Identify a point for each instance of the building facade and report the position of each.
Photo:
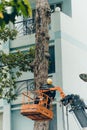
(68, 50)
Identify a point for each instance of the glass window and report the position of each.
(52, 7)
(51, 59)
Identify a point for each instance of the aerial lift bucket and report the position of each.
(36, 106)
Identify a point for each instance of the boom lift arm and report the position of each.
(77, 107)
(59, 89)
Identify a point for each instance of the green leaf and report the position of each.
(29, 7)
(18, 74)
(18, 6)
(23, 8)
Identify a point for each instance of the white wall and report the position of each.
(74, 63)
(74, 53)
(73, 48)
(79, 16)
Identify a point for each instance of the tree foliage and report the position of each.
(12, 66)
(7, 33)
(9, 9)
(19, 59)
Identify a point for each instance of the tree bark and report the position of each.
(41, 51)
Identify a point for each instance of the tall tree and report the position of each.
(41, 51)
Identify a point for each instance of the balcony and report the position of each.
(26, 34)
(61, 26)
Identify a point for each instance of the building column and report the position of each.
(56, 28)
(6, 115)
(60, 117)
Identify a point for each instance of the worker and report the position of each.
(51, 94)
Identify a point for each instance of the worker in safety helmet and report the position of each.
(50, 93)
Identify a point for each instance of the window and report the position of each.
(52, 59)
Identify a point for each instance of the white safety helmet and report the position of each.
(49, 81)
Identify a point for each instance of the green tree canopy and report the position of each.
(11, 68)
(9, 9)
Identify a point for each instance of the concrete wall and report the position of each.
(79, 12)
(20, 122)
(1, 121)
(67, 7)
(73, 53)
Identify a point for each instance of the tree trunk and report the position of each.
(41, 51)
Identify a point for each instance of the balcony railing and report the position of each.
(25, 27)
(24, 86)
